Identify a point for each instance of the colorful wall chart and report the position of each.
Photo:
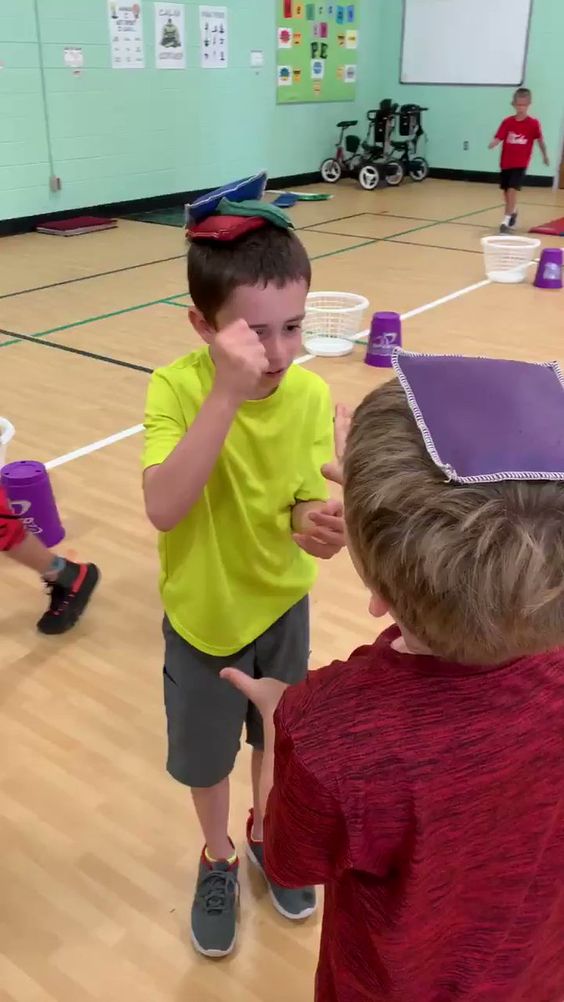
(317, 49)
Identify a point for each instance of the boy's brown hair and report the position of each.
(475, 572)
(216, 269)
(523, 92)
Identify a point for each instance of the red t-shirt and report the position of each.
(518, 139)
(428, 798)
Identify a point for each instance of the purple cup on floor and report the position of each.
(31, 496)
(549, 271)
(385, 335)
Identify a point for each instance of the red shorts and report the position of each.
(12, 532)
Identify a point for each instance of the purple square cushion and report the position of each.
(487, 419)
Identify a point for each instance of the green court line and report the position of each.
(401, 233)
(169, 300)
(91, 320)
(343, 250)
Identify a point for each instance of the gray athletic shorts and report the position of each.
(205, 715)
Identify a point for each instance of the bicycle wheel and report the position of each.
(369, 177)
(418, 169)
(394, 173)
(331, 170)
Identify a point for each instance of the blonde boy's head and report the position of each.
(475, 573)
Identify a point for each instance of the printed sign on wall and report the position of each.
(317, 49)
(170, 40)
(214, 38)
(126, 35)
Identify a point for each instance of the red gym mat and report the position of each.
(555, 228)
(76, 226)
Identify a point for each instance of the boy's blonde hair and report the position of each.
(474, 572)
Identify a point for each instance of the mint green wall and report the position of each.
(119, 135)
(473, 113)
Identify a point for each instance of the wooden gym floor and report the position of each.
(98, 848)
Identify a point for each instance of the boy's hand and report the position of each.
(495, 142)
(323, 532)
(265, 693)
(334, 471)
(545, 160)
(240, 361)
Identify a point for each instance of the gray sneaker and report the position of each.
(214, 911)
(292, 903)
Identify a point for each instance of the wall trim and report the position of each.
(486, 176)
(25, 224)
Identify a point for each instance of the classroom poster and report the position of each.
(317, 51)
(170, 38)
(126, 35)
(214, 38)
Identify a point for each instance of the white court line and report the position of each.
(102, 443)
(94, 446)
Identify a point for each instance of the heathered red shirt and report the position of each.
(428, 797)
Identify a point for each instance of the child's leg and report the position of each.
(510, 201)
(72, 584)
(282, 653)
(212, 808)
(256, 769)
(204, 729)
(33, 554)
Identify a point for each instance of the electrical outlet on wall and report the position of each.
(466, 145)
(55, 183)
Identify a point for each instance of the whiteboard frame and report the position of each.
(449, 83)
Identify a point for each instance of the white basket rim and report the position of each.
(358, 302)
(7, 431)
(510, 241)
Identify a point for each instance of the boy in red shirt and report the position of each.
(518, 134)
(70, 585)
(422, 781)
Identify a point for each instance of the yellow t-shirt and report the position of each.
(230, 569)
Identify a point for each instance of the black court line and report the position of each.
(415, 243)
(395, 238)
(132, 267)
(87, 278)
(78, 351)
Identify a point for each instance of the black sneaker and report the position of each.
(68, 601)
(512, 220)
(504, 228)
(214, 911)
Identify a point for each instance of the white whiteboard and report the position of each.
(465, 41)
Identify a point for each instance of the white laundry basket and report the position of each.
(7, 432)
(332, 322)
(507, 258)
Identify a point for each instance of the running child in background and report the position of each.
(518, 133)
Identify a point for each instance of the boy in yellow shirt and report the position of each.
(236, 436)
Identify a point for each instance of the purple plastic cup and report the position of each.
(549, 271)
(31, 496)
(385, 335)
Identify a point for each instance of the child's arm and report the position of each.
(542, 145)
(319, 526)
(298, 810)
(173, 487)
(500, 135)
